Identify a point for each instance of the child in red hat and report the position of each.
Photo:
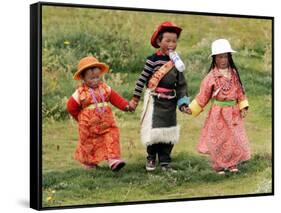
(166, 89)
(89, 106)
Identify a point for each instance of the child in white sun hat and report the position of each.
(223, 136)
(221, 46)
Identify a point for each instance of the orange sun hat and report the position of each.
(162, 27)
(89, 62)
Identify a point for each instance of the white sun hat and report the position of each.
(221, 46)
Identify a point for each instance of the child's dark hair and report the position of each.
(232, 65)
(82, 74)
(168, 30)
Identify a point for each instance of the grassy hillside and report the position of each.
(122, 40)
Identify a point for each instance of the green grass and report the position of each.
(193, 179)
(123, 42)
(74, 185)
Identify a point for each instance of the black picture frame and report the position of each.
(36, 102)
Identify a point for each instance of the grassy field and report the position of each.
(121, 39)
(67, 183)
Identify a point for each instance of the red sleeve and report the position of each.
(73, 108)
(118, 101)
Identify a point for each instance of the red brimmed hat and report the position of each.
(161, 28)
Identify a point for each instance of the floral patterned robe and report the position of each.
(223, 136)
(98, 132)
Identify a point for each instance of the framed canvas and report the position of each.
(132, 105)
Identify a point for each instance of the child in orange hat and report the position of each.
(166, 90)
(89, 106)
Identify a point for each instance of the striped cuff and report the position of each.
(183, 101)
(195, 108)
(137, 94)
(243, 104)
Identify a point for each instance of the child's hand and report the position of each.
(126, 108)
(129, 109)
(132, 106)
(186, 110)
(133, 103)
(244, 112)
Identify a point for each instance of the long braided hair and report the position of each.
(231, 64)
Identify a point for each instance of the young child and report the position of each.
(167, 89)
(89, 106)
(223, 136)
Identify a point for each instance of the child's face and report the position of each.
(222, 61)
(168, 42)
(92, 77)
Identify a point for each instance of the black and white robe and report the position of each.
(159, 122)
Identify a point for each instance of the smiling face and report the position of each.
(91, 77)
(168, 42)
(222, 61)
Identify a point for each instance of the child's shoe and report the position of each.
(116, 165)
(233, 169)
(221, 172)
(150, 165)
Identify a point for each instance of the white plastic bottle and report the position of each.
(177, 61)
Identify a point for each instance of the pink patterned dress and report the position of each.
(223, 136)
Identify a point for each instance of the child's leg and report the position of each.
(164, 153)
(116, 164)
(113, 150)
(151, 157)
(151, 152)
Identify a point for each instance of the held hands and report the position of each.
(129, 109)
(244, 112)
(133, 103)
(186, 109)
